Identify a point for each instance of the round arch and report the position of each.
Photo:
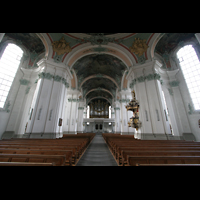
(99, 75)
(112, 49)
(98, 89)
(99, 97)
(46, 40)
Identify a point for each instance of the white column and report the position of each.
(154, 98)
(197, 35)
(80, 117)
(148, 93)
(48, 100)
(112, 113)
(1, 36)
(67, 115)
(117, 118)
(141, 96)
(74, 113)
(179, 104)
(17, 109)
(56, 104)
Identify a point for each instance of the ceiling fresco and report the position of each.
(98, 83)
(95, 101)
(99, 64)
(30, 40)
(98, 93)
(170, 40)
(100, 33)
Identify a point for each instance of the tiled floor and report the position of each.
(97, 154)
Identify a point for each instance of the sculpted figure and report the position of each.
(139, 46)
(61, 46)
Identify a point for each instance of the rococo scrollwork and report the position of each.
(139, 46)
(61, 46)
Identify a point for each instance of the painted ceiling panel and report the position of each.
(170, 40)
(30, 40)
(99, 83)
(99, 64)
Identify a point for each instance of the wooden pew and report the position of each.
(134, 160)
(118, 154)
(70, 144)
(125, 154)
(67, 154)
(25, 164)
(75, 153)
(59, 160)
(80, 146)
(167, 165)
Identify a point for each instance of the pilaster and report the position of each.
(179, 104)
(117, 118)
(81, 108)
(23, 87)
(1, 36)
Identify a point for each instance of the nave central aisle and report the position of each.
(97, 154)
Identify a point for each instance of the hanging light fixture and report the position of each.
(133, 106)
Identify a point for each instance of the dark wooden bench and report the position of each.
(43, 150)
(59, 160)
(118, 154)
(167, 165)
(80, 147)
(67, 154)
(135, 160)
(25, 164)
(125, 154)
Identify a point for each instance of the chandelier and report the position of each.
(133, 106)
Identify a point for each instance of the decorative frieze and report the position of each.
(117, 108)
(55, 78)
(123, 100)
(174, 83)
(45, 75)
(80, 108)
(27, 90)
(24, 82)
(73, 100)
(191, 111)
(6, 107)
(141, 79)
(99, 39)
(170, 91)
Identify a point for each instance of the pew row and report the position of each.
(129, 151)
(50, 151)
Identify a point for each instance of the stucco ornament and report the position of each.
(139, 46)
(61, 46)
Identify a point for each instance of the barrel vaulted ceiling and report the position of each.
(100, 68)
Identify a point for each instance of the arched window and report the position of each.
(190, 66)
(9, 64)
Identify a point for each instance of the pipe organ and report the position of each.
(99, 109)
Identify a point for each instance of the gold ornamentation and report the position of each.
(139, 46)
(61, 46)
(133, 106)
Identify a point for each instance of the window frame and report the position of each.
(2, 50)
(180, 68)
